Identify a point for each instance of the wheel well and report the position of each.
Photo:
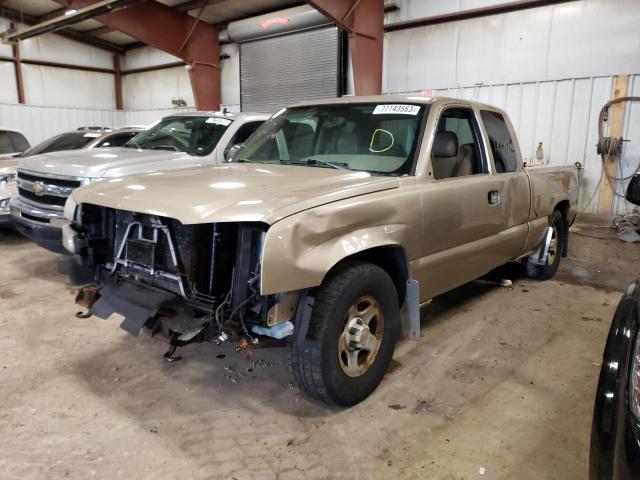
(564, 207)
(392, 259)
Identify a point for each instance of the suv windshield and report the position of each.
(64, 141)
(375, 137)
(189, 134)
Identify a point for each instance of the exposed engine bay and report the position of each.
(184, 282)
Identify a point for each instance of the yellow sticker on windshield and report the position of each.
(396, 108)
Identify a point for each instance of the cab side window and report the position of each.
(456, 148)
(20, 144)
(5, 143)
(242, 134)
(502, 147)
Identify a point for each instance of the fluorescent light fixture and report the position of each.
(71, 11)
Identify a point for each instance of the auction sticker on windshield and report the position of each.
(404, 109)
(218, 121)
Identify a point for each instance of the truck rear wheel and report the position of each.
(548, 270)
(352, 334)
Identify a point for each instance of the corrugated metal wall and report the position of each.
(563, 115)
(41, 122)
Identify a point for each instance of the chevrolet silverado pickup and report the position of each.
(335, 216)
(175, 142)
(81, 138)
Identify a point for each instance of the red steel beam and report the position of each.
(18, 68)
(162, 27)
(117, 77)
(364, 22)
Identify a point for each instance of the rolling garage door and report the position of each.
(286, 57)
(278, 71)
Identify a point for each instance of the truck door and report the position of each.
(465, 207)
(508, 171)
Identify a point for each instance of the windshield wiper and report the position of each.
(313, 162)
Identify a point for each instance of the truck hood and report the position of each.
(8, 165)
(105, 162)
(232, 192)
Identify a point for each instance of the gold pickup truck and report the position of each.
(333, 218)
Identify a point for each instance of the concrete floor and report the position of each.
(502, 379)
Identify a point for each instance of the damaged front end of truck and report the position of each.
(185, 283)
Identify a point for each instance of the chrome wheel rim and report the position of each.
(553, 246)
(361, 336)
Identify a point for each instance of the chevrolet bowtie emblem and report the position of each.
(38, 188)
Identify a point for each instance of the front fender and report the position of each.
(299, 250)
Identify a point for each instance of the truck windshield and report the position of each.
(189, 134)
(64, 141)
(379, 138)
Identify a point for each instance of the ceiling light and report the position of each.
(71, 11)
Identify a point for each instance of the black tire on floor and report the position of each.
(547, 271)
(351, 293)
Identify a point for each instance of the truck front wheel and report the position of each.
(548, 270)
(352, 334)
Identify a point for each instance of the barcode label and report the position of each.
(402, 109)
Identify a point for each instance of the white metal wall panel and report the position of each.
(146, 57)
(39, 123)
(53, 86)
(230, 76)
(147, 117)
(8, 91)
(5, 50)
(278, 71)
(156, 89)
(411, 9)
(54, 48)
(563, 115)
(594, 37)
(584, 38)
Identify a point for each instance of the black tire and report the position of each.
(547, 271)
(318, 364)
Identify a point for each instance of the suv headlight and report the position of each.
(7, 179)
(634, 380)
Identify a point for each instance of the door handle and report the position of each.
(494, 197)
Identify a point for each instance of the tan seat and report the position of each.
(444, 154)
(465, 161)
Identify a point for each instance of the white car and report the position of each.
(178, 141)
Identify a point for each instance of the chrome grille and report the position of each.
(43, 190)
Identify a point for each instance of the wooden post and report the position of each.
(615, 121)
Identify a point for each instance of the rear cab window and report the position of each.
(501, 141)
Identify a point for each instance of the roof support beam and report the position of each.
(364, 22)
(179, 34)
(19, 17)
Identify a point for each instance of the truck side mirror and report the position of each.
(633, 190)
(231, 151)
